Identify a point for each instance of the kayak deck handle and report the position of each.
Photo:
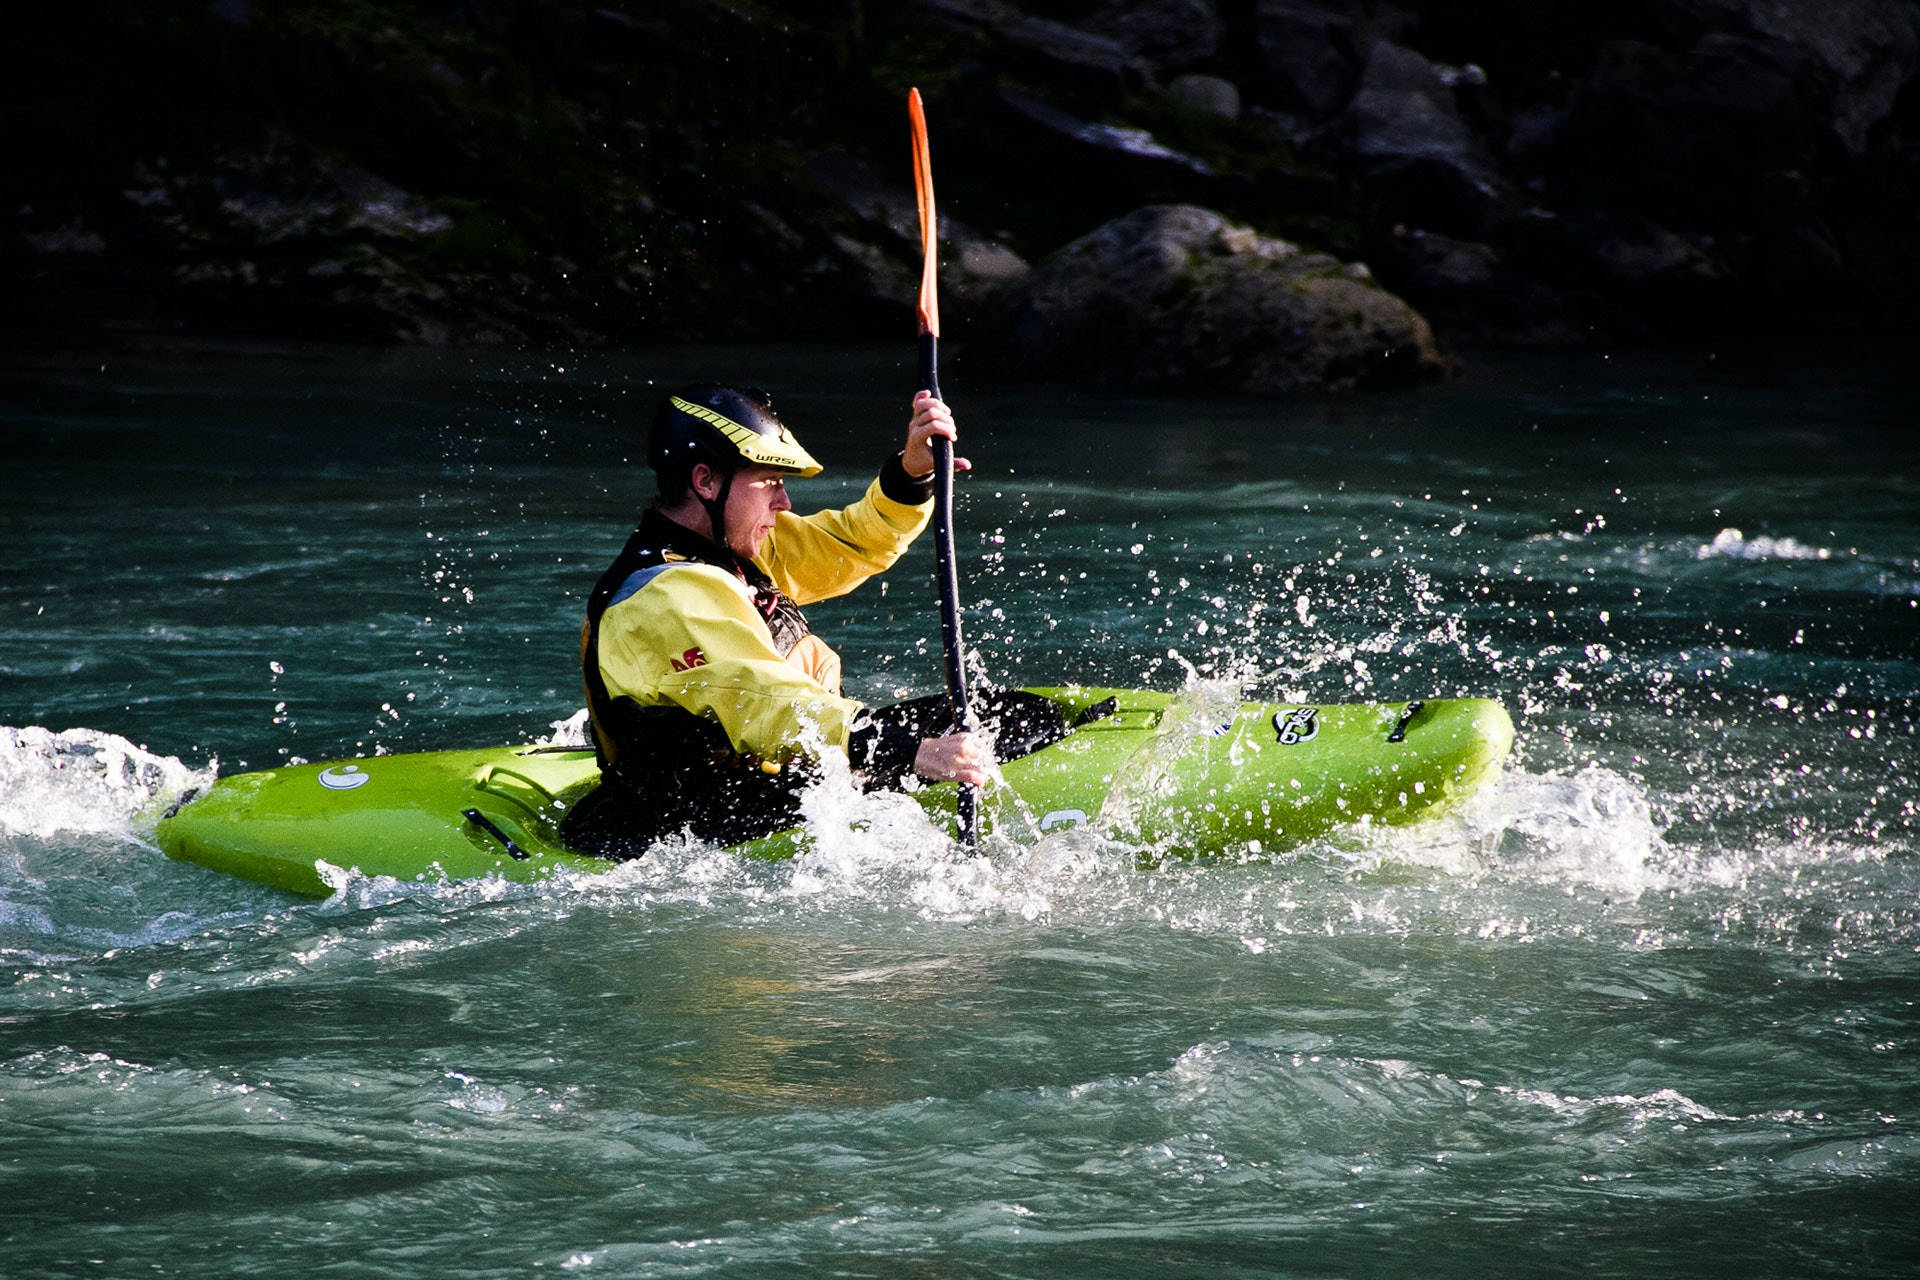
(485, 823)
(1098, 711)
(1399, 733)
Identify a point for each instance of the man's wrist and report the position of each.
(903, 488)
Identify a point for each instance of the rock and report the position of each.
(1420, 157)
(1170, 35)
(1533, 135)
(1469, 287)
(1176, 295)
(1122, 148)
(1078, 173)
(1636, 253)
(1619, 272)
(1443, 265)
(1071, 60)
(977, 272)
(72, 238)
(1307, 54)
(1851, 58)
(1703, 129)
(1206, 96)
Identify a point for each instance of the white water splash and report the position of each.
(1733, 544)
(571, 732)
(84, 780)
(1592, 827)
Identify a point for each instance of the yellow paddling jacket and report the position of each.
(691, 652)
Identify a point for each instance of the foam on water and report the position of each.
(1735, 544)
(84, 780)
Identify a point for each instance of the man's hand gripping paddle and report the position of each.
(946, 577)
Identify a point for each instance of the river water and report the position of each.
(1647, 1008)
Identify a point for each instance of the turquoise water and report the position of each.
(1648, 1008)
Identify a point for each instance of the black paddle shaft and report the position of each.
(947, 579)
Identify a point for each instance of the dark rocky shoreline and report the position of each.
(1356, 177)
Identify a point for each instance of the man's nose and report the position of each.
(781, 502)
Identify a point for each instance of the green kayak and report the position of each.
(1157, 770)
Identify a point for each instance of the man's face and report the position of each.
(757, 496)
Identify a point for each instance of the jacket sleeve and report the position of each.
(830, 553)
(704, 648)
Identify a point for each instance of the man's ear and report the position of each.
(704, 481)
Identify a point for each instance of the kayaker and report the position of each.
(711, 701)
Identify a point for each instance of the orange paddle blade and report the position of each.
(929, 224)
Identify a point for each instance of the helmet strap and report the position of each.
(716, 508)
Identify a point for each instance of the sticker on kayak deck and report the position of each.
(1296, 726)
(343, 777)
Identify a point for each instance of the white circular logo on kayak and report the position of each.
(343, 777)
(1296, 726)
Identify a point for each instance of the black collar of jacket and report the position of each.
(674, 539)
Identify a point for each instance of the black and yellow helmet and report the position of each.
(726, 428)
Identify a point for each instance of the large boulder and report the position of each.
(1408, 138)
(1176, 295)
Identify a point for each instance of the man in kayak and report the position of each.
(711, 700)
